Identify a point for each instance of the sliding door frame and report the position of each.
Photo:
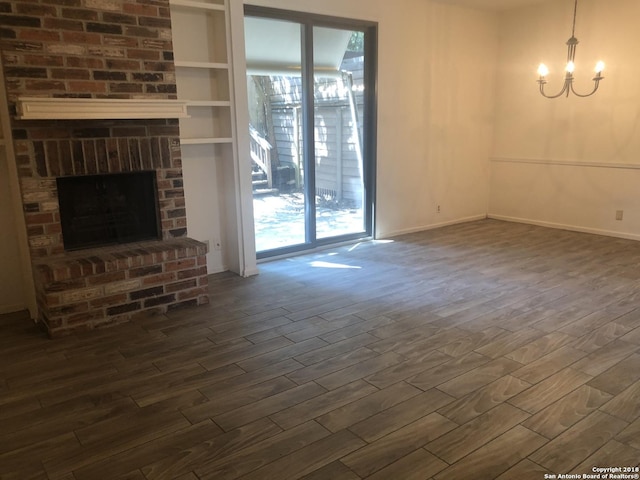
(369, 144)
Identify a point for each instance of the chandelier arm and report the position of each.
(565, 89)
(595, 89)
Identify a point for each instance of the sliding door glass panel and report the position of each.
(312, 128)
(274, 66)
(338, 57)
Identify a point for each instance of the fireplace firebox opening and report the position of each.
(99, 210)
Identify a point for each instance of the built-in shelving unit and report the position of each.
(212, 168)
(202, 70)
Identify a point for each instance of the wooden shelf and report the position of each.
(204, 141)
(210, 65)
(196, 4)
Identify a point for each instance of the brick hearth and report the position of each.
(98, 49)
(110, 285)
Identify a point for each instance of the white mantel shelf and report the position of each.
(42, 108)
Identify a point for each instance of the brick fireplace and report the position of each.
(101, 49)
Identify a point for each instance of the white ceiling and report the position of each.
(273, 47)
(492, 4)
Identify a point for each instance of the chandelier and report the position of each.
(567, 88)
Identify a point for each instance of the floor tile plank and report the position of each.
(335, 471)
(476, 433)
(557, 417)
(268, 406)
(625, 405)
(321, 404)
(525, 470)
(570, 448)
(224, 403)
(496, 457)
(618, 377)
(479, 377)
(549, 365)
(400, 415)
(417, 465)
(407, 368)
(396, 445)
(631, 435)
(448, 370)
(548, 391)
(540, 347)
(368, 406)
(310, 458)
(359, 370)
(260, 454)
(185, 460)
(483, 399)
(131, 460)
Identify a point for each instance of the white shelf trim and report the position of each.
(43, 108)
(208, 103)
(205, 140)
(209, 65)
(196, 4)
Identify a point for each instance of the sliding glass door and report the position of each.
(311, 84)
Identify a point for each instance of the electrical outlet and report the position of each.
(217, 245)
(619, 214)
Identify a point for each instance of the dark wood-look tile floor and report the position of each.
(484, 350)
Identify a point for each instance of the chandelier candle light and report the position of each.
(567, 88)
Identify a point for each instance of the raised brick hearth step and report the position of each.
(110, 285)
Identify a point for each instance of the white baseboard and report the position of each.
(250, 272)
(219, 269)
(431, 227)
(247, 273)
(561, 226)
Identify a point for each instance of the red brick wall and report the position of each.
(120, 283)
(95, 49)
(100, 49)
(87, 48)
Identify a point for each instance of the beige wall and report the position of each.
(435, 117)
(569, 162)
